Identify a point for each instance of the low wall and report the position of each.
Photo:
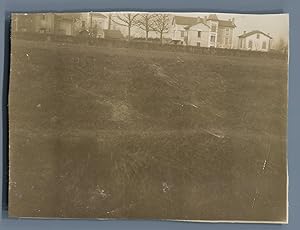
(145, 45)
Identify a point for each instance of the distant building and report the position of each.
(190, 31)
(204, 32)
(57, 23)
(40, 23)
(95, 23)
(255, 40)
(62, 23)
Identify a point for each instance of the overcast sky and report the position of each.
(277, 25)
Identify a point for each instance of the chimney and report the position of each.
(205, 19)
(232, 20)
(198, 19)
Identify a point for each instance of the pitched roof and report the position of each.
(213, 17)
(254, 32)
(181, 20)
(196, 23)
(113, 34)
(191, 21)
(227, 23)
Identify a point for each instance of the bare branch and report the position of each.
(128, 20)
(161, 24)
(146, 21)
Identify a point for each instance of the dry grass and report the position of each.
(130, 133)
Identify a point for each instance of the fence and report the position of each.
(145, 45)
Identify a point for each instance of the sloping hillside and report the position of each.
(131, 133)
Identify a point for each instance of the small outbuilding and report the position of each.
(255, 40)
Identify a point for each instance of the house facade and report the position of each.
(34, 23)
(204, 32)
(255, 41)
(61, 23)
(57, 23)
(189, 31)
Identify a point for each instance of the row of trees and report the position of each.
(158, 23)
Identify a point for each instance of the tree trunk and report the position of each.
(129, 28)
(147, 32)
(161, 38)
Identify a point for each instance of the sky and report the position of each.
(277, 25)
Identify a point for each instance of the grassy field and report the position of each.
(107, 132)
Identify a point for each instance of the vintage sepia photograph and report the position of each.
(136, 115)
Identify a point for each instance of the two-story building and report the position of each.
(50, 23)
(255, 40)
(61, 23)
(204, 32)
(34, 23)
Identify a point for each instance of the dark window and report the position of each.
(199, 34)
(264, 45)
(213, 38)
(43, 16)
(182, 34)
(198, 44)
(227, 31)
(257, 36)
(250, 44)
(213, 28)
(83, 24)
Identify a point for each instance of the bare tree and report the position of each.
(282, 45)
(129, 20)
(146, 23)
(161, 25)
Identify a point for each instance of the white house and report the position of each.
(204, 32)
(255, 40)
(189, 31)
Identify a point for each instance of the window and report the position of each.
(212, 38)
(250, 44)
(226, 41)
(227, 31)
(213, 28)
(182, 34)
(43, 16)
(199, 34)
(198, 44)
(264, 45)
(257, 36)
(83, 24)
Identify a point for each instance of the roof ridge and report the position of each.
(254, 32)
